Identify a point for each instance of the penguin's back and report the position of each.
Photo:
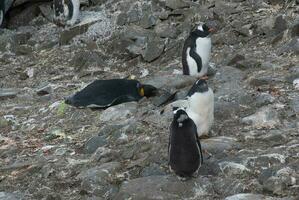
(184, 152)
(104, 93)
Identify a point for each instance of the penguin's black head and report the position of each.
(202, 30)
(200, 86)
(146, 90)
(180, 115)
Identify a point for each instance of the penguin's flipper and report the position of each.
(164, 98)
(197, 59)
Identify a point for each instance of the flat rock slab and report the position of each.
(119, 112)
(87, 19)
(250, 196)
(165, 187)
(8, 93)
(265, 117)
(167, 80)
(219, 144)
(9, 196)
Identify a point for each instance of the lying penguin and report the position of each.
(201, 106)
(184, 149)
(196, 51)
(66, 12)
(105, 93)
(4, 7)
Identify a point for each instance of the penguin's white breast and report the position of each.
(203, 49)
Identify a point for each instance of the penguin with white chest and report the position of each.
(201, 106)
(66, 12)
(184, 149)
(2, 11)
(196, 51)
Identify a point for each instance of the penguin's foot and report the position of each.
(208, 153)
(203, 136)
(182, 178)
(195, 174)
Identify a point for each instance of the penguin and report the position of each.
(2, 11)
(196, 51)
(66, 12)
(200, 107)
(105, 93)
(184, 148)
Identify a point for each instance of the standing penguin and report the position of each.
(66, 12)
(184, 149)
(2, 11)
(201, 106)
(196, 51)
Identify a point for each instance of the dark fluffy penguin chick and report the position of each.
(185, 155)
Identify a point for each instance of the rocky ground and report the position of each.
(53, 151)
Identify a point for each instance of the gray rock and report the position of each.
(218, 145)
(264, 161)
(176, 4)
(153, 49)
(229, 92)
(7, 39)
(121, 19)
(152, 170)
(295, 103)
(8, 93)
(94, 143)
(166, 30)
(265, 117)
(23, 50)
(133, 16)
(280, 24)
(10, 196)
(103, 155)
(278, 183)
(119, 113)
(275, 2)
(274, 138)
(44, 89)
(165, 187)
(96, 180)
(228, 186)
(148, 20)
(264, 99)
(85, 59)
(248, 196)
(232, 169)
(295, 28)
(236, 59)
(88, 20)
(292, 46)
(167, 80)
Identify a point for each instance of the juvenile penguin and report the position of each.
(201, 106)
(105, 93)
(196, 51)
(184, 149)
(66, 12)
